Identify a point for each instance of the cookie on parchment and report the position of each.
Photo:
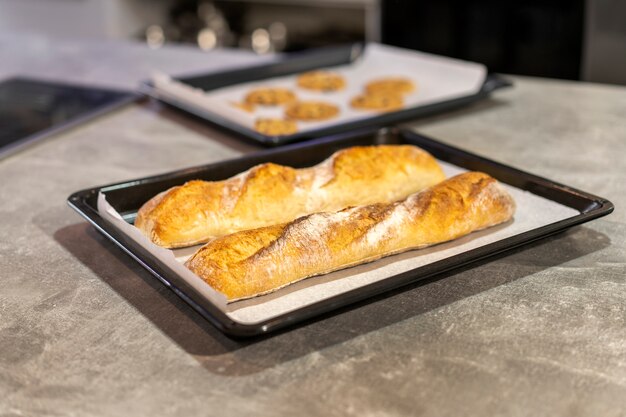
(270, 96)
(378, 102)
(324, 81)
(275, 127)
(391, 85)
(311, 110)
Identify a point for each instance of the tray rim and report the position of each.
(596, 207)
(305, 61)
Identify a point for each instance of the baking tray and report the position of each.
(128, 196)
(301, 62)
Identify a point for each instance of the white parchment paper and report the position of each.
(437, 79)
(173, 258)
(532, 212)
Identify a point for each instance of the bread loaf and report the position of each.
(270, 194)
(255, 262)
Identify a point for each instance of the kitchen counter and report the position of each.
(85, 331)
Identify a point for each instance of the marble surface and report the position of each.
(85, 331)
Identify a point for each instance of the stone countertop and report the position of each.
(85, 331)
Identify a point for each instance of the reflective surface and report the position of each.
(29, 107)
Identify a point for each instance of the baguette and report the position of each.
(267, 194)
(255, 262)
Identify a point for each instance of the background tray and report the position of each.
(302, 62)
(127, 197)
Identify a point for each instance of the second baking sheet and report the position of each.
(437, 79)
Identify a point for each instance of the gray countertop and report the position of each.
(85, 331)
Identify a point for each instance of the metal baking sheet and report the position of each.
(563, 208)
(443, 84)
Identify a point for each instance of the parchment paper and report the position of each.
(173, 258)
(437, 78)
(532, 212)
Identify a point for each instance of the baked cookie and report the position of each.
(247, 107)
(392, 85)
(270, 96)
(275, 127)
(378, 102)
(325, 81)
(311, 110)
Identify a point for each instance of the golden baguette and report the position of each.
(255, 262)
(270, 194)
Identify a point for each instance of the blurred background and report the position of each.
(568, 39)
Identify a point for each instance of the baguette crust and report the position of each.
(255, 262)
(199, 211)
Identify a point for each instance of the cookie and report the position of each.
(392, 85)
(379, 102)
(325, 81)
(275, 127)
(311, 110)
(247, 107)
(270, 96)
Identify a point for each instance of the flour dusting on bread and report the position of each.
(267, 194)
(325, 242)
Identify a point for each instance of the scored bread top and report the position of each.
(270, 194)
(255, 262)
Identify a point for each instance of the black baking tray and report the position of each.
(128, 196)
(306, 61)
